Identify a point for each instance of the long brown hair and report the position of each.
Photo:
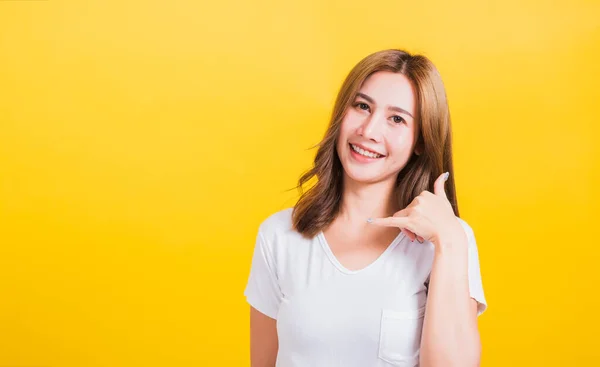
(318, 206)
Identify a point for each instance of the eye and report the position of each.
(363, 106)
(398, 119)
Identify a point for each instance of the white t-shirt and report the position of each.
(331, 316)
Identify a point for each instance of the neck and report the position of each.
(367, 200)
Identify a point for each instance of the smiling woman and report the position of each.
(401, 99)
(329, 287)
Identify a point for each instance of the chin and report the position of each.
(362, 176)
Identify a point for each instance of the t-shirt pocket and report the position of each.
(400, 336)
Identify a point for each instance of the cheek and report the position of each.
(351, 121)
(347, 128)
(400, 143)
(343, 136)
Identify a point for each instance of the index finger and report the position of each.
(400, 222)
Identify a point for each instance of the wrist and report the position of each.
(451, 243)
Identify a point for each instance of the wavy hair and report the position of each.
(319, 205)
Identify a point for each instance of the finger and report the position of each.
(412, 236)
(401, 213)
(438, 186)
(408, 234)
(400, 222)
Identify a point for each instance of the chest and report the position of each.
(355, 252)
(353, 321)
(336, 314)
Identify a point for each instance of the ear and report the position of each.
(419, 148)
(419, 144)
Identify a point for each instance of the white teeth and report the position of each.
(364, 152)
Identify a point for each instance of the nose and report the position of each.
(371, 128)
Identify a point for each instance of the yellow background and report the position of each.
(142, 142)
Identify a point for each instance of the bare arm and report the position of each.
(450, 334)
(263, 339)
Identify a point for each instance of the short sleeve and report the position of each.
(475, 282)
(262, 290)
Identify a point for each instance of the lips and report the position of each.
(363, 156)
(368, 149)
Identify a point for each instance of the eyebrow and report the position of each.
(393, 108)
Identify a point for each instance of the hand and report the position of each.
(428, 217)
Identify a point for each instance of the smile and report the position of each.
(364, 153)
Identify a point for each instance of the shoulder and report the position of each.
(278, 227)
(279, 221)
(470, 235)
(467, 228)
(279, 238)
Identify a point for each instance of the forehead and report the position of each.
(390, 89)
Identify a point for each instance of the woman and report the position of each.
(373, 266)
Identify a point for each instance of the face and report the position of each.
(378, 133)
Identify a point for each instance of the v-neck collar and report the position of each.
(342, 268)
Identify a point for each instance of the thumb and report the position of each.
(438, 186)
